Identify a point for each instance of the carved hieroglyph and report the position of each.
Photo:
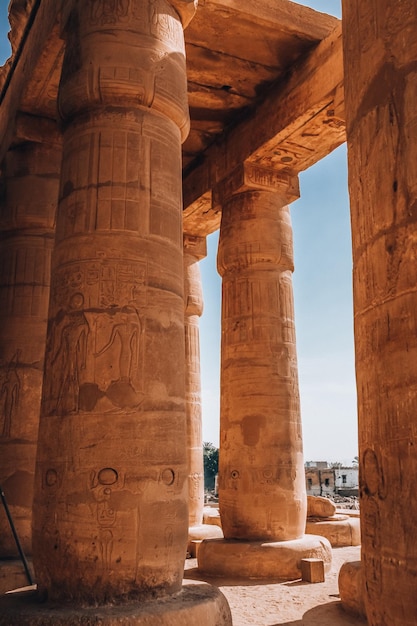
(110, 514)
(194, 250)
(28, 208)
(380, 51)
(261, 476)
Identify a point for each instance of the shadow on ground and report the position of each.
(331, 614)
(193, 573)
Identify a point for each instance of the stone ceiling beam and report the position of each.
(300, 122)
(286, 15)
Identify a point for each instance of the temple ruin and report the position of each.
(130, 130)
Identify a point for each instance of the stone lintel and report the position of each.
(195, 246)
(250, 177)
(279, 13)
(300, 122)
(200, 218)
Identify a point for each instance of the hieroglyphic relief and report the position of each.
(109, 11)
(66, 354)
(94, 348)
(10, 387)
(118, 196)
(163, 22)
(372, 485)
(102, 484)
(24, 277)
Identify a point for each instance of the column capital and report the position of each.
(250, 177)
(186, 10)
(195, 246)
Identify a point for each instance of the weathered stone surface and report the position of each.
(212, 516)
(317, 506)
(27, 230)
(380, 49)
(196, 603)
(312, 570)
(204, 531)
(340, 532)
(351, 588)
(19, 12)
(194, 250)
(261, 560)
(112, 466)
(261, 473)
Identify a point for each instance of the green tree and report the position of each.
(211, 464)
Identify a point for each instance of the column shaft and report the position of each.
(380, 51)
(261, 476)
(28, 211)
(193, 310)
(110, 514)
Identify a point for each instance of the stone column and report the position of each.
(111, 493)
(27, 225)
(194, 250)
(380, 50)
(262, 492)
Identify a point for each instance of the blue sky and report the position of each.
(323, 304)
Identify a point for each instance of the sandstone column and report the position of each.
(262, 492)
(194, 250)
(380, 51)
(28, 209)
(111, 498)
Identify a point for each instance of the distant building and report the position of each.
(322, 480)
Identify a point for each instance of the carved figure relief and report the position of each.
(94, 352)
(68, 357)
(194, 486)
(123, 341)
(102, 485)
(118, 358)
(9, 395)
(373, 482)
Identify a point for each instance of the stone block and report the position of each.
(193, 547)
(340, 532)
(317, 506)
(351, 588)
(312, 570)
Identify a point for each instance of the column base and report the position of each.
(340, 530)
(197, 603)
(204, 531)
(351, 588)
(261, 560)
(198, 533)
(211, 515)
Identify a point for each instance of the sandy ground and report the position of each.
(295, 603)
